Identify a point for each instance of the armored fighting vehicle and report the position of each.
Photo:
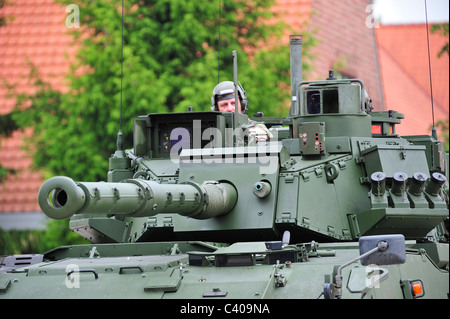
(335, 204)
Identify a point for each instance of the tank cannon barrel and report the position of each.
(60, 197)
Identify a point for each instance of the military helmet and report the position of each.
(225, 90)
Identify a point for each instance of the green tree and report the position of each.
(443, 30)
(56, 234)
(442, 125)
(2, 19)
(169, 62)
(7, 125)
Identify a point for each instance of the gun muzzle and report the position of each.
(60, 197)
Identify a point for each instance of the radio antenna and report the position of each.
(218, 51)
(433, 130)
(119, 135)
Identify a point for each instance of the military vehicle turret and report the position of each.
(334, 205)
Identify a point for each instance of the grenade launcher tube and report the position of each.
(60, 197)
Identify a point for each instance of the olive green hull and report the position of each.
(165, 270)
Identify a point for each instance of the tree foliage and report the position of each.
(7, 125)
(443, 126)
(170, 61)
(56, 234)
(2, 19)
(442, 29)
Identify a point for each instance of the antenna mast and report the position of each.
(433, 130)
(119, 163)
(218, 52)
(119, 135)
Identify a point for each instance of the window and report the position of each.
(313, 102)
(330, 101)
(324, 101)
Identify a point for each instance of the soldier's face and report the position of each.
(228, 105)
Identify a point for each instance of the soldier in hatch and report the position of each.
(223, 100)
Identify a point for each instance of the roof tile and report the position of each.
(37, 34)
(403, 54)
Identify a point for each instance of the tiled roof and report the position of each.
(404, 66)
(35, 32)
(294, 13)
(345, 44)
